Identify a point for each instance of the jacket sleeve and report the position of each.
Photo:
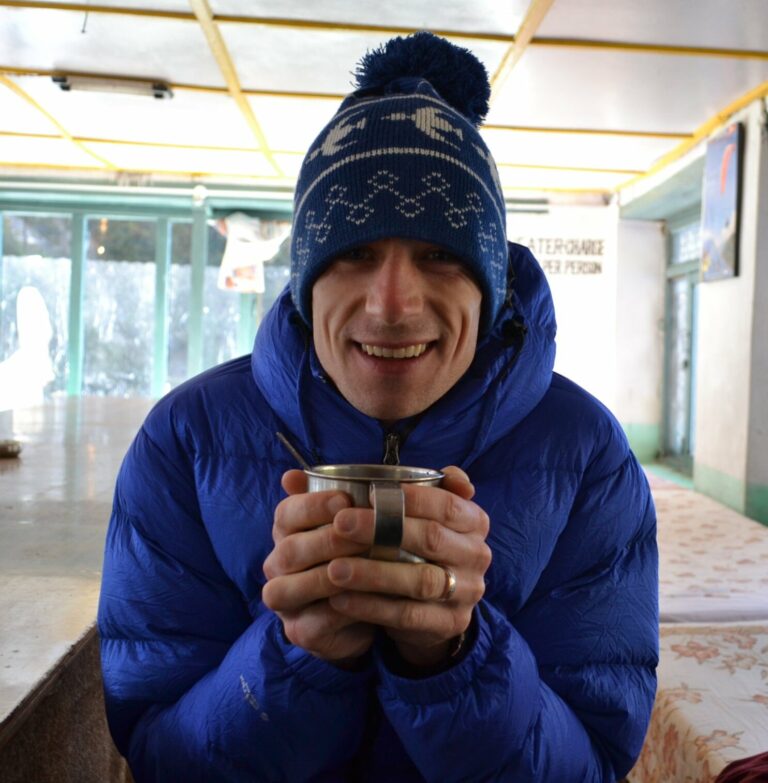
(197, 687)
(561, 691)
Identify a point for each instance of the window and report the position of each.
(34, 307)
(118, 313)
(133, 343)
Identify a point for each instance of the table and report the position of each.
(713, 561)
(711, 707)
(54, 508)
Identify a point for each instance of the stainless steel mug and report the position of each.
(377, 487)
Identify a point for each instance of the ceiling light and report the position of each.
(105, 84)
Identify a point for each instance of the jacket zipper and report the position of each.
(391, 449)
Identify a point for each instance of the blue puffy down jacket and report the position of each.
(559, 681)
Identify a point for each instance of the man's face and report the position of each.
(395, 325)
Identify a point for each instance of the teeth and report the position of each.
(409, 352)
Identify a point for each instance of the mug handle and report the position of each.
(388, 504)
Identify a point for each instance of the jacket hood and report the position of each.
(510, 373)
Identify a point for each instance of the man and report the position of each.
(245, 635)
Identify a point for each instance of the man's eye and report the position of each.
(443, 256)
(353, 254)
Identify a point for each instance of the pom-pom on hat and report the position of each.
(402, 157)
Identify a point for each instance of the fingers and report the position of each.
(406, 600)
(450, 509)
(330, 597)
(427, 538)
(457, 481)
(304, 511)
(431, 621)
(294, 481)
(322, 631)
(449, 504)
(303, 550)
(436, 521)
(422, 582)
(290, 592)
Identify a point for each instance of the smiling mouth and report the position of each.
(402, 352)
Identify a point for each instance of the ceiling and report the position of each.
(588, 95)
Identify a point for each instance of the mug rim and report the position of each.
(371, 472)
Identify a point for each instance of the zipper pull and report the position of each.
(391, 449)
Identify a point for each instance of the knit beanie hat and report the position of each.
(402, 157)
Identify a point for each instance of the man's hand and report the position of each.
(444, 527)
(298, 588)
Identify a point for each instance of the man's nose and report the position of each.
(396, 287)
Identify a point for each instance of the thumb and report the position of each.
(457, 481)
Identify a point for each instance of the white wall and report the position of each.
(757, 454)
(576, 247)
(609, 305)
(725, 339)
(640, 323)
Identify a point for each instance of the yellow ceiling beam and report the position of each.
(603, 193)
(703, 132)
(360, 27)
(135, 170)
(257, 178)
(577, 169)
(264, 21)
(295, 153)
(63, 132)
(149, 144)
(533, 18)
(98, 9)
(177, 86)
(13, 70)
(588, 131)
(652, 48)
(314, 24)
(211, 31)
(136, 143)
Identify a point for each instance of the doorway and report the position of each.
(679, 428)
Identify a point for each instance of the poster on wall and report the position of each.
(721, 205)
(576, 248)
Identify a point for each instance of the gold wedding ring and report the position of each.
(450, 584)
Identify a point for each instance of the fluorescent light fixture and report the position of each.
(105, 84)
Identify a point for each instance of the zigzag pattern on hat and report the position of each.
(410, 206)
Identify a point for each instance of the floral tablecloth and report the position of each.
(713, 561)
(712, 703)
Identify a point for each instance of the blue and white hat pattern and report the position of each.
(400, 164)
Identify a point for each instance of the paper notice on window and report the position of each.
(246, 252)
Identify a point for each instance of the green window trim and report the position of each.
(162, 267)
(76, 335)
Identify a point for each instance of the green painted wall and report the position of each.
(746, 498)
(644, 440)
(669, 474)
(757, 503)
